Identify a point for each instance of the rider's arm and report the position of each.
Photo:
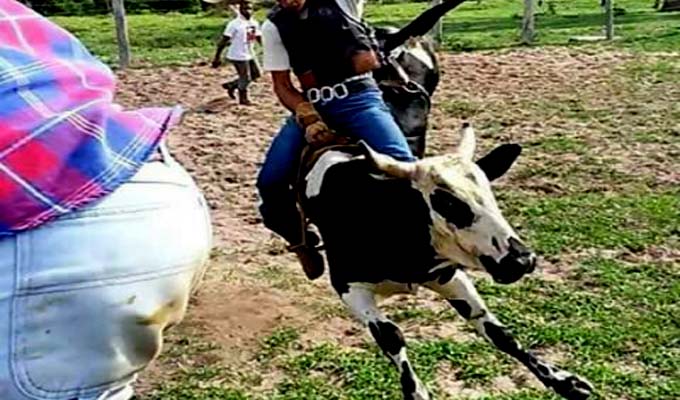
(275, 60)
(287, 93)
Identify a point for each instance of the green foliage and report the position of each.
(279, 341)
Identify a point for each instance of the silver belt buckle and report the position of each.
(327, 93)
(313, 95)
(340, 90)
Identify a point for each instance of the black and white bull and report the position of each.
(391, 227)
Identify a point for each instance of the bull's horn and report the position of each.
(466, 148)
(387, 164)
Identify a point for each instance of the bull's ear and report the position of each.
(387, 164)
(499, 160)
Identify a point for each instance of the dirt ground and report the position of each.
(253, 286)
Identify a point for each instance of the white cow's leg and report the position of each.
(361, 301)
(457, 288)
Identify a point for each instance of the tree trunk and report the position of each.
(121, 33)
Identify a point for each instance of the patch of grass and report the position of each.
(595, 220)
(561, 144)
(615, 322)
(653, 71)
(187, 344)
(413, 314)
(474, 362)
(156, 39)
(279, 277)
(305, 387)
(196, 380)
(524, 395)
(460, 108)
(277, 342)
(494, 25)
(193, 390)
(670, 136)
(329, 308)
(367, 374)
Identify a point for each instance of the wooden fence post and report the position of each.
(609, 19)
(437, 29)
(121, 33)
(528, 22)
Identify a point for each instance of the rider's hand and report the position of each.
(306, 114)
(316, 131)
(318, 134)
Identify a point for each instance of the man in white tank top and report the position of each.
(240, 35)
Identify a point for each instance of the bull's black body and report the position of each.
(379, 228)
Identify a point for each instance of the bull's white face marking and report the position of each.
(454, 182)
(466, 220)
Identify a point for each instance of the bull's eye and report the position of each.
(453, 209)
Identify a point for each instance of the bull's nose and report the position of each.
(522, 255)
(526, 262)
(531, 263)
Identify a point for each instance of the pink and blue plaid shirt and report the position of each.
(63, 142)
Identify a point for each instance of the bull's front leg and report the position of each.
(457, 288)
(361, 301)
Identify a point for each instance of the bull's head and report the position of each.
(467, 225)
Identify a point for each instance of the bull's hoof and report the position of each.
(574, 388)
(420, 395)
(415, 392)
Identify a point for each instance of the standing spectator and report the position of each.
(240, 35)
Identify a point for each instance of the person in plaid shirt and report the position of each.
(102, 233)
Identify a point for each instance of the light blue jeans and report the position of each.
(84, 300)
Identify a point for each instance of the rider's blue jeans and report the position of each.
(362, 115)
